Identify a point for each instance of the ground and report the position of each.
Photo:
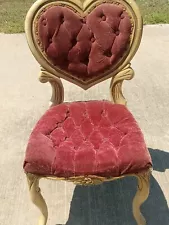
(23, 100)
(12, 13)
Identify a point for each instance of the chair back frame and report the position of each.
(52, 74)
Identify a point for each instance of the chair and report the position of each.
(91, 142)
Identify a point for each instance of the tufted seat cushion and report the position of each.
(85, 45)
(86, 138)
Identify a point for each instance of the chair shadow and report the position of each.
(111, 203)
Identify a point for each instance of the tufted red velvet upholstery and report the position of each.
(87, 138)
(86, 46)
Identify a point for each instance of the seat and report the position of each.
(87, 138)
(86, 42)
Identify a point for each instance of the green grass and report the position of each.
(154, 11)
(12, 13)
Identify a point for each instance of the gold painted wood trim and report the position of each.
(57, 86)
(83, 7)
(90, 179)
(36, 197)
(141, 196)
(116, 85)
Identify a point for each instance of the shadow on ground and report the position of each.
(111, 203)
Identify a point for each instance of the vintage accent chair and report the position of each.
(88, 143)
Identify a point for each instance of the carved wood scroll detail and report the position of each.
(57, 86)
(96, 180)
(143, 178)
(116, 84)
(87, 181)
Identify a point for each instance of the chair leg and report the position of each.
(141, 196)
(36, 197)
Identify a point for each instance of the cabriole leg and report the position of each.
(36, 197)
(141, 196)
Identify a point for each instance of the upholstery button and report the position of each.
(74, 42)
(86, 60)
(44, 23)
(117, 33)
(83, 20)
(92, 39)
(50, 40)
(108, 53)
(103, 18)
(62, 19)
(122, 16)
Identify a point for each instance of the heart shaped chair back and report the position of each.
(84, 42)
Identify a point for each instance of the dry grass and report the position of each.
(12, 13)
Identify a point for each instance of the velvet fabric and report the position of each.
(86, 138)
(88, 46)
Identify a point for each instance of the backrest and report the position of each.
(84, 41)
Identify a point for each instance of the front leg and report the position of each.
(36, 197)
(141, 196)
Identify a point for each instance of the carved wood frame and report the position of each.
(119, 74)
(140, 197)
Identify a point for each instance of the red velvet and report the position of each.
(85, 47)
(87, 138)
